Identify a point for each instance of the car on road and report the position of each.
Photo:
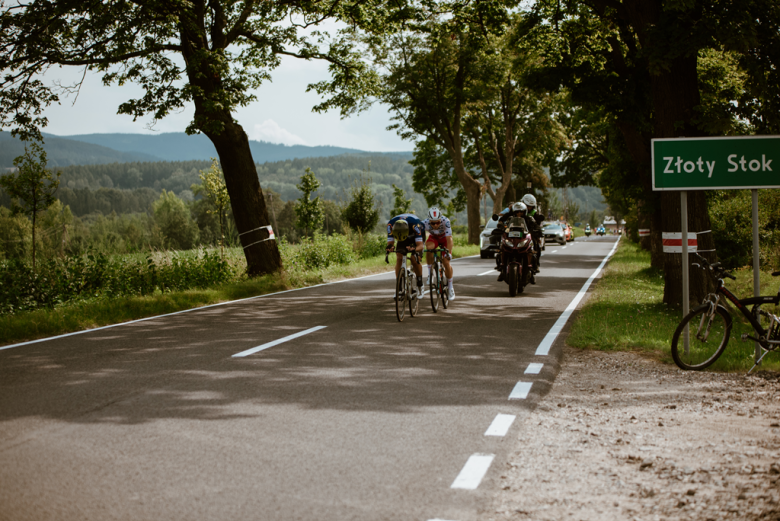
(554, 231)
(487, 250)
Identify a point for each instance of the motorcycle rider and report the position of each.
(533, 221)
(515, 210)
(587, 230)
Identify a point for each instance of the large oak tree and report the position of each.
(210, 53)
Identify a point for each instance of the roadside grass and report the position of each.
(626, 312)
(99, 312)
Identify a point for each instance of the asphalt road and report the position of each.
(363, 419)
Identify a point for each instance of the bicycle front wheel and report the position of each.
(433, 288)
(400, 296)
(442, 287)
(708, 336)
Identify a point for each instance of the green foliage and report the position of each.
(732, 227)
(309, 212)
(213, 187)
(361, 213)
(95, 276)
(15, 235)
(32, 187)
(173, 218)
(400, 203)
(318, 252)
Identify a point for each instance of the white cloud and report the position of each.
(271, 132)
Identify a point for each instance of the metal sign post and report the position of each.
(686, 297)
(716, 163)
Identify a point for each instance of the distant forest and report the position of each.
(132, 187)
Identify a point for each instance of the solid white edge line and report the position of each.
(520, 391)
(534, 368)
(549, 338)
(277, 342)
(488, 272)
(473, 471)
(198, 309)
(500, 425)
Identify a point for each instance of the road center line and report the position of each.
(549, 338)
(521, 390)
(488, 272)
(500, 425)
(534, 368)
(473, 471)
(277, 342)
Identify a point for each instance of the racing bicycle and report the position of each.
(437, 286)
(709, 325)
(405, 288)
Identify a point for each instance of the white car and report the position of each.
(554, 232)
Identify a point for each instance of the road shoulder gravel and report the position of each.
(622, 436)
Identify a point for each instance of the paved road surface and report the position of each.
(363, 419)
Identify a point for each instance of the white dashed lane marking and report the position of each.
(521, 390)
(501, 424)
(277, 342)
(488, 272)
(534, 368)
(473, 471)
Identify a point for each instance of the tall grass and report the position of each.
(626, 312)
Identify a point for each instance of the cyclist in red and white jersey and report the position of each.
(440, 234)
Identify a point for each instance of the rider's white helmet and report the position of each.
(519, 207)
(529, 200)
(434, 214)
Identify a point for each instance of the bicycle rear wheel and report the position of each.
(414, 299)
(400, 296)
(433, 287)
(708, 336)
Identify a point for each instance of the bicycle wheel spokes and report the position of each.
(433, 288)
(708, 335)
(400, 296)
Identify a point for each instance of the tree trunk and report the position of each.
(246, 198)
(675, 97)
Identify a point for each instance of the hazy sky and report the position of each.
(282, 114)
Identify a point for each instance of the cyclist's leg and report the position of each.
(429, 256)
(399, 259)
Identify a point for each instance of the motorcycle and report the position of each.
(587, 231)
(516, 252)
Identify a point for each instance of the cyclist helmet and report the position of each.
(519, 209)
(400, 230)
(529, 200)
(434, 214)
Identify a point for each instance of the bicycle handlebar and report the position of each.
(715, 269)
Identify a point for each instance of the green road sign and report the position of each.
(716, 163)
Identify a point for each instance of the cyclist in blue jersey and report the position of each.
(406, 232)
(440, 234)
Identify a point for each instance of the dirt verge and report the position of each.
(621, 437)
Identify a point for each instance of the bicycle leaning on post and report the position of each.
(437, 286)
(404, 287)
(709, 325)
